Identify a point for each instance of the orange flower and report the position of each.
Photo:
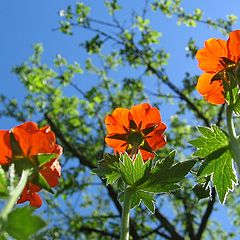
(216, 57)
(31, 141)
(140, 126)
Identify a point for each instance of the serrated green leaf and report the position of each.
(214, 147)
(212, 139)
(108, 168)
(180, 169)
(236, 107)
(165, 174)
(161, 166)
(222, 174)
(134, 172)
(112, 177)
(135, 200)
(30, 224)
(201, 191)
(126, 168)
(148, 200)
(160, 188)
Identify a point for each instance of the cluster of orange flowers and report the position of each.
(31, 142)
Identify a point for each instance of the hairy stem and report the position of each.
(125, 214)
(14, 195)
(235, 146)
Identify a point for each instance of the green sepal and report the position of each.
(43, 158)
(15, 146)
(23, 163)
(30, 224)
(40, 181)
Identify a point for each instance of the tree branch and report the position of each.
(101, 232)
(168, 226)
(181, 95)
(206, 215)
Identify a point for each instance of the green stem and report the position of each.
(125, 214)
(235, 146)
(14, 195)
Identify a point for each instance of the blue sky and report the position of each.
(26, 22)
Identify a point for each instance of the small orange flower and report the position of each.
(217, 56)
(32, 142)
(141, 126)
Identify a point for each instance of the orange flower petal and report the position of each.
(139, 112)
(216, 97)
(115, 121)
(151, 118)
(33, 140)
(213, 92)
(208, 57)
(156, 140)
(34, 199)
(233, 45)
(146, 155)
(51, 172)
(204, 85)
(5, 152)
(119, 146)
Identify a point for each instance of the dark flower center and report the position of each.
(135, 137)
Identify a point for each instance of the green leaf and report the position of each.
(44, 158)
(213, 145)
(21, 224)
(112, 177)
(160, 188)
(108, 168)
(201, 191)
(134, 172)
(3, 183)
(165, 174)
(135, 200)
(236, 107)
(212, 139)
(148, 200)
(222, 172)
